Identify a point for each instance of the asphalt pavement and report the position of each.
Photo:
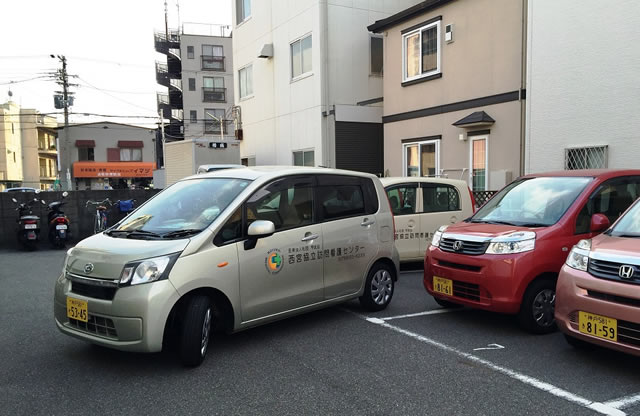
(412, 359)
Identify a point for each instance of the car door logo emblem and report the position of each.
(626, 272)
(457, 245)
(88, 268)
(274, 261)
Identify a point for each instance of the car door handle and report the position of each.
(309, 237)
(367, 222)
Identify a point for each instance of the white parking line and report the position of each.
(602, 408)
(411, 315)
(624, 402)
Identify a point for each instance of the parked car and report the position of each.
(598, 290)
(214, 168)
(506, 258)
(229, 250)
(420, 206)
(20, 189)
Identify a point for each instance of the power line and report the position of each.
(26, 80)
(113, 96)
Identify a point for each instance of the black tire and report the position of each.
(196, 331)
(578, 343)
(537, 309)
(446, 303)
(378, 288)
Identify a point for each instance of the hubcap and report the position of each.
(206, 328)
(381, 287)
(543, 307)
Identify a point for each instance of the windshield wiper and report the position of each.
(181, 233)
(133, 233)
(493, 222)
(625, 235)
(532, 224)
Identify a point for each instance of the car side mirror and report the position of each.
(258, 229)
(599, 223)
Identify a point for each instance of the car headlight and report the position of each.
(66, 261)
(148, 270)
(513, 243)
(435, 241)
(579, 256)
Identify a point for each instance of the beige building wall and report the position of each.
(10, 146)
(39, 153)
(484, 59)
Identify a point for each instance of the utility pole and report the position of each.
(62, 79)
(166, 20)
(162, 137)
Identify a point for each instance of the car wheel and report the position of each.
(578, 343)
(538, 305)
(196, 331)
(378, 289)
(446, 303)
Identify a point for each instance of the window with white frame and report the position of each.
(593, 157)
(301, 57)
(479, 159)
(376, 55)
(243, 10)
(421, 158)
(245, 80)
(303, 158)
(130, 155)
(421, 52)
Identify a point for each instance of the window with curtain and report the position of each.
(421, 52)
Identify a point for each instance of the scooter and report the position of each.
(28, 224)
(59, 232)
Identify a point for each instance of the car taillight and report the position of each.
(473, 201)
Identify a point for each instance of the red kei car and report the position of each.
(599, 288)
(507, 256)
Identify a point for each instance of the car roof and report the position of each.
(220, 166)
(590, 173)
(269, 172)
(388, 181)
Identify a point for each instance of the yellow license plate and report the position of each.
(598, 326)
(442, 285)
(77, 309)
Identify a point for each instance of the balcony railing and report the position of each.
(177, 114)
(176, 83)
(212, 63)
(163, 42)
(214, 95)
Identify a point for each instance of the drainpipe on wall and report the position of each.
(523, 85)
(324, 82)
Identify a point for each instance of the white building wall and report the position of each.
(284, 115)
(582, 82)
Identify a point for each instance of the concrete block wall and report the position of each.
(81, 220)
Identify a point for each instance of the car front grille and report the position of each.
(459, 266)
(613, 298)
(472, 248)
(96, 325)
(93, 291)
(628, 332)
(466, 290)
(610, 270)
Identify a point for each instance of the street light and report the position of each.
(219, 120)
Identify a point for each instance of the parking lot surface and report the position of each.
(413, 358)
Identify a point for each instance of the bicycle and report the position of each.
(100, 222)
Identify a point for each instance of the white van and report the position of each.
(229, 250)
(420, 206)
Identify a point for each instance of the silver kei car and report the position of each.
(229, 250)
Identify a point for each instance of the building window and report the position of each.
(303, 158)
(245, 77)
(376, 55)
(192, 84)
(479, 162)
(85, 154)
(421, 52)
(422, 159)
(131, 155)
(213, 90)
(213, 57)
(193, 116)
(243, 10)
(440, 198)
(594, 157)
(301, 57)
(212, 124)
(190, 52)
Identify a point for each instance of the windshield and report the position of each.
(536, 202)
(629, 224)
(184, 208)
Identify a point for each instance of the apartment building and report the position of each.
(582, 85)
(39, 149)
(198, 74)
(11, 173)
(454, 90)
(106, 155)
(309, 82)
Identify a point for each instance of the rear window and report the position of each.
(440, 198)
(341, 201)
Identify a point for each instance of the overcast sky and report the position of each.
(108, 45)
